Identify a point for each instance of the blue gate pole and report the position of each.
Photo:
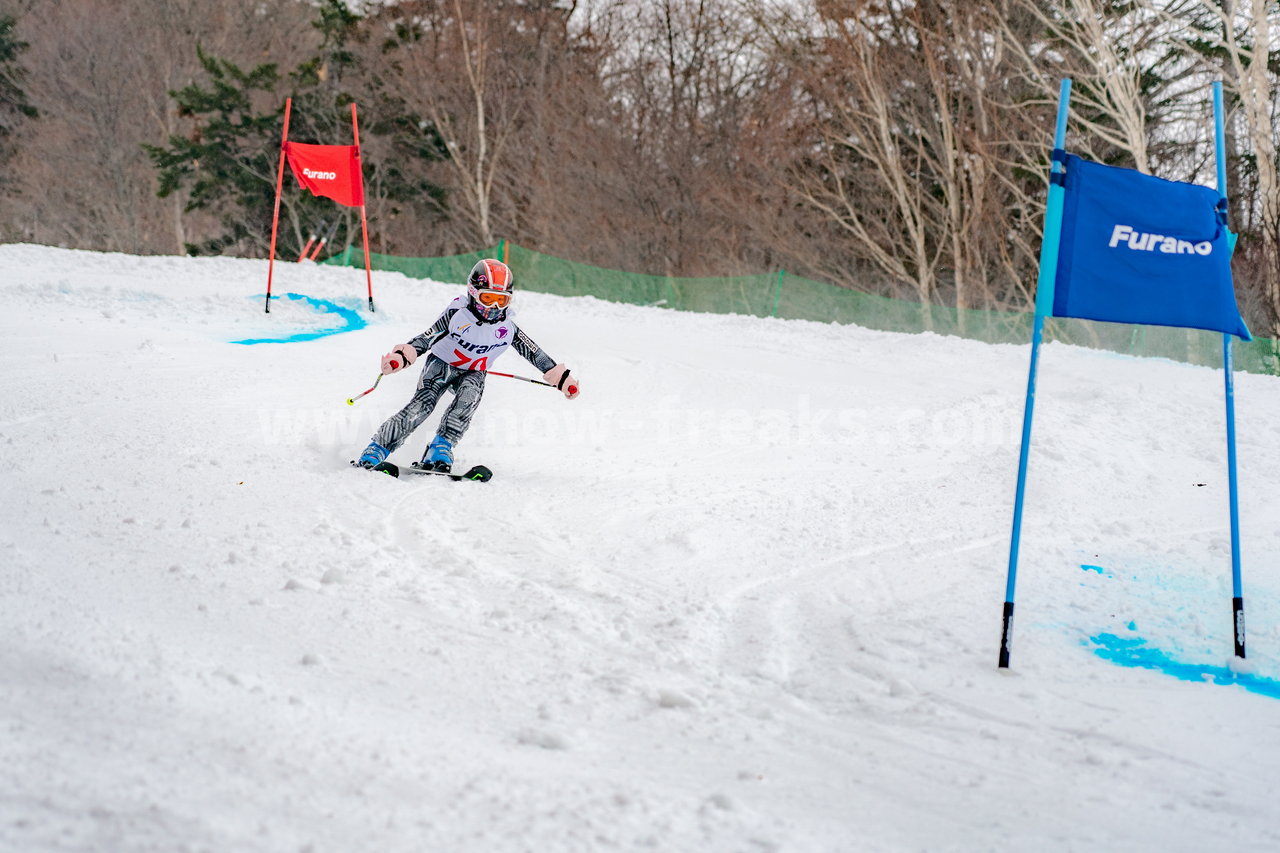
(1044, 307)
(1237, 593)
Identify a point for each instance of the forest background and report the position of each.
(898, 148)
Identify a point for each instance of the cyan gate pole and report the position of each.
(1044, 307)
(1237, 593)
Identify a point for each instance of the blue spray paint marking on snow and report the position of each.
(352, 321)
(1134, 651)
(1097, 569)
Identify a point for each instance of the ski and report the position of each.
(478, 473)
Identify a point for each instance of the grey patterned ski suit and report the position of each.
(460, 332)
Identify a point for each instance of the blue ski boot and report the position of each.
(439, 454)
(374, 454)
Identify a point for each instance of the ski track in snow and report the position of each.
(742, 595)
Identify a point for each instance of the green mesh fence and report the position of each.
(451, 268)
(793, 297)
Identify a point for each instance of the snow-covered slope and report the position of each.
(743, 594)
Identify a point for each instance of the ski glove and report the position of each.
(562, 380)
(400, 357)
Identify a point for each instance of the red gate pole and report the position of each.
(324, 240)
(315, 233)
(275, 217)
(364, 224)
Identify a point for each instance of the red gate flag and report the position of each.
(332, 171)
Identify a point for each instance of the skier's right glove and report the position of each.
(562, 380)
(400, 357)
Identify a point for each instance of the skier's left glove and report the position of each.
(400, 357)
(562, 380)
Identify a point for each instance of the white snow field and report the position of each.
(743, 594)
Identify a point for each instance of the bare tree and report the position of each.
(896, 146)
(449, 62)
(907, 146)
(885, 207)
(476, 166)
(687, 82)
(1234, 40)
(100, 73)
(1108, 51)
(1247, 39)
(569, 175)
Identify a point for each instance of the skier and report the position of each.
(469, 336)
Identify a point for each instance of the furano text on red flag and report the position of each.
(332, 171)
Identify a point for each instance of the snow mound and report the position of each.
(743, 594)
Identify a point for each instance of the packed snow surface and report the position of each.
(743, 594)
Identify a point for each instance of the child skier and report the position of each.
(469, 336)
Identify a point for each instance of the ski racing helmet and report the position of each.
(490, 287)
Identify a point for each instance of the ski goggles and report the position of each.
(493, 298)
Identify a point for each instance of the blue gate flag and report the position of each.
(1141, 249)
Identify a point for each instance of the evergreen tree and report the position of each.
(14, 106)
(228, 163)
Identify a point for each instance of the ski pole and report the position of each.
(351, 401)
(525, 379)
(521, 378)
